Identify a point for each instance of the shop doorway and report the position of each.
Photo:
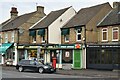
(77, 59)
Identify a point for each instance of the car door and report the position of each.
(32, 65)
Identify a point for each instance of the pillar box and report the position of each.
(54, 62)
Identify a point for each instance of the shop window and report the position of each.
(116, 55)
(104, 34)
(67, 56)
(78, 34)
(66, 38)
(115, 34)
(21, 54)
(54, 54)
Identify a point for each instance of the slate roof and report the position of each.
(84, 15)
(112, 18)
(50, 18)
(17, 22)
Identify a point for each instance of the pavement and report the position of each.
(85, 72)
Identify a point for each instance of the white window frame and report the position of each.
(6, 38)
(13, 36)
(77, 35)
(43, 38)
(114, 31)
(33, 39)
(106, 35)
(65, 38)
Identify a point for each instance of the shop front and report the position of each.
(103, 56)
(71, 56)
(7, 53)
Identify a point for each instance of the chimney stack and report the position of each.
(40, 9)
(116, 5)
(14, 12)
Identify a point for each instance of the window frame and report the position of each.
(65, 38)
(77, 35)
(113, 34)
(43, 37)
(106, 34)
(33, 39)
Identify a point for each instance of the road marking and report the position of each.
(29, 76)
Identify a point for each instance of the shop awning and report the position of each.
(4, 47)
(65, 32)
(32, 33)
(41, 32)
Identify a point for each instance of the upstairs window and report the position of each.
(34, 39)
(78, 34)
(6, 38)
(43, 38)
(104, 34)
(115, 34)
(12, 37)
(66, 38)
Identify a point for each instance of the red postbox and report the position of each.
(54, 62)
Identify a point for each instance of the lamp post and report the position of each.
(58, 56)
(45, 48)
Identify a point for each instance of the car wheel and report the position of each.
(20, 69)
(41, 70)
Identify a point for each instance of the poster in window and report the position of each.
(67, 54)
(52, 54)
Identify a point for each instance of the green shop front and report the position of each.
(71, 56)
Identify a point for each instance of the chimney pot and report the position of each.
(14, 12)
(116, 4)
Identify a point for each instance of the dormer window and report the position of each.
(115, 34)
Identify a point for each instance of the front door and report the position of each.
(77, 59)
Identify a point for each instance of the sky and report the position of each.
(27, 6)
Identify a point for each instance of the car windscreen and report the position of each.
(24, 62)
(32, 62)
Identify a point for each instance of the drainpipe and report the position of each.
(85, 48)
(16, 48)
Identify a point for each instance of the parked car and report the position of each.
(34, 65)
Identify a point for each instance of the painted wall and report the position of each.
(54, 33)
